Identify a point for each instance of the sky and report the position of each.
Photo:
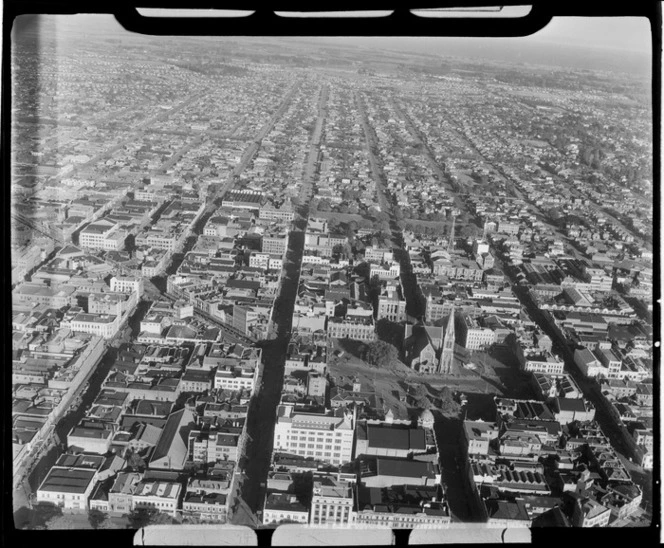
(622, 33)
(628, 35)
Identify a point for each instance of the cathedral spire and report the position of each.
(447, 358)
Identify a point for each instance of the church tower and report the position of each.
(447, 357)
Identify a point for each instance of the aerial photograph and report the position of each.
(376, 282)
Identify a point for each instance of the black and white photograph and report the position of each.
(361, 282)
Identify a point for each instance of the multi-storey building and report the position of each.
(274, 242)
(208, 499)
(331, 502)
(120, 495)
(474, 336)
(163, 496)
(126, 284)
(612, 363)
(391, 304)
(102, 234)
(284, 212)
(375, 254)
(325, 437)
(357, 329)
(385, 271)
(103, 325)
(70, 481)
(401, 506)
(284, 508)
(590, 513)
(542, 362)
(588, 363)
(478, 435)
(243, 199)
(228, 377)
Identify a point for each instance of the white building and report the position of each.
(238, 378)
(544, 362)
(386, 271)
(126, 284)
(102, 234)
(324, 437)
(160, 495)
(102, 325)
(375, 254)
(284, 508)
(588, 363)
(331, 502)
(259, 260)
(474, 336)
(68, 488)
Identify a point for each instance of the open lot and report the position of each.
(494, 374)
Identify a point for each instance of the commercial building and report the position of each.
(324, 437)
(360, 329)
(331, 502)
(163, 496)
(389, 441)
(284, 508)
(68, 487)
(385, 472)
(208, 499)
(391, 304)
(542, 362)
(401, 507)
(474, 336)
(102, 234)
(102, 325)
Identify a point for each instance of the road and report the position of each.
(262, 413)
(376, 169)
(306, 191)
(463, 505)
(417, 136)
(409, 281)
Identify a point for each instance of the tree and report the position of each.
(381, 353)
(136, 461)
(448, 404)
(96, 518)
(141, 517)
(364, 223)
(363, 269)
(389, 331)
(44, 513)
(332, 224)
(63, 521)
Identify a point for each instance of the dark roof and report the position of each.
(502, 509)
(404, 468)
(153, 408)
(551, 518)
(67, 480)
(396, 438)
(569, 404)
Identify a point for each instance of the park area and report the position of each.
(479, 375)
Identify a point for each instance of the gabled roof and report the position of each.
(172, 447)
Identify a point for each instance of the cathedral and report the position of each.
(430, 350)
